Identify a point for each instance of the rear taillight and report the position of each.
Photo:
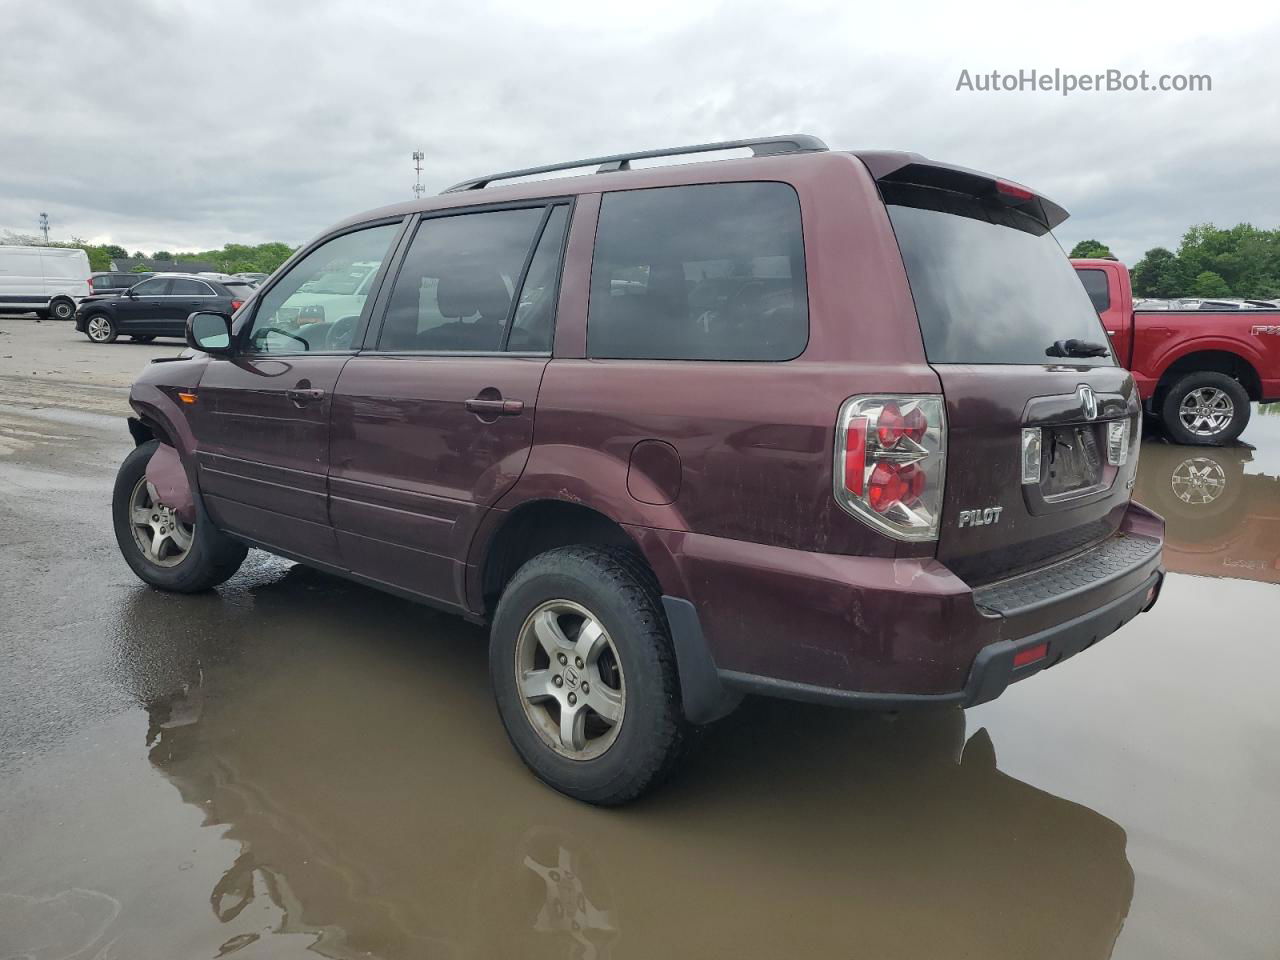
(236, 304)
(890, 462)
(1118, 442)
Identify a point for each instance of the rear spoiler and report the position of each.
(911, 168)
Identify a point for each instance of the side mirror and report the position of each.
(209, 333)
(130, 294)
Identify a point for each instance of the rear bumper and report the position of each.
(891, 634)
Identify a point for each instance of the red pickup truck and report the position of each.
(1197, 370)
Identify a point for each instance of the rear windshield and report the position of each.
(991, 285)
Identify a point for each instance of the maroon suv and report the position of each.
(840, 427)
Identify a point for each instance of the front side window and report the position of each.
(704, 272)
(455, 288)
(155, 287)
(318, 304)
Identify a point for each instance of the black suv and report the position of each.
(157, 307)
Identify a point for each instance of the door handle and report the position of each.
(495, 408)
(301, 396)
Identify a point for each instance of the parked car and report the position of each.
(115, 283)
(254, 278)
(1198, 369)
(812, 448)
(156, 307)
(50, 281)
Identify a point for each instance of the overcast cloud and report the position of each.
(168, 125)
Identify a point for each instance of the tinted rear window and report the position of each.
(991, 285)
(1095, 285)
(703, 272)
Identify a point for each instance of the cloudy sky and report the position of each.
(173, 125)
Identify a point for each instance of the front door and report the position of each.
(137, 311)
(261, 417)
(434, 422)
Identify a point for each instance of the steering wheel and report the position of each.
(262, 333)
(341, 334)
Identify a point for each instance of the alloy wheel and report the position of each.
(159, 532)
(1206, 411)
(570, 677)
(99, 329)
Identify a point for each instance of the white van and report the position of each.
(49, 280)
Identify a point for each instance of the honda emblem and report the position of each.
(1088, 400)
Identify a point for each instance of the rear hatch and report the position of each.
(1041, 436)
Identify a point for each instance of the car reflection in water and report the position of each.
(347, 742)
(1222, 514)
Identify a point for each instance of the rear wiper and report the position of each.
(1076, 348)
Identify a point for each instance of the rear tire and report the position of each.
(1205, 409)
(588, 592)
(62, 309)
(100, 328)
(191, 558)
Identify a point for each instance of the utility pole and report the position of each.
(418, 188)
(44, 226)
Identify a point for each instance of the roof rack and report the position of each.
(760, 147)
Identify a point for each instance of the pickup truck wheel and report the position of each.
(584, 674)
(163, 550)
(100, 329)
(1204, 408)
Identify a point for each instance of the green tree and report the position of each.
(1210, 284)
(1091, 249)
(114, 250)
(1159, 274)
(141, 268)
(162, 255)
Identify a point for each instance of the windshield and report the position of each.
(991, 285)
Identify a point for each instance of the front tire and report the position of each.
(161, 549)
(101, 329)
(62, 309)
(584, 674)
(1205, 409)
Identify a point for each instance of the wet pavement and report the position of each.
(295, 765)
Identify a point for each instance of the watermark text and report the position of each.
(1065, 83)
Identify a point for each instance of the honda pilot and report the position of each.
(838, 427)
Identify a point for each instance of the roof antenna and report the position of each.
(418, 188)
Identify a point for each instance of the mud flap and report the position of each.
(166, 473)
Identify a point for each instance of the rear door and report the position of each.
(1005, 323)
(262, 416)
(186, 295)
(1115, 311)
(434, 421)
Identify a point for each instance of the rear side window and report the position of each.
(991, 285)
(1095, 285)
(704, 272)
(182, 287)
(455, 289)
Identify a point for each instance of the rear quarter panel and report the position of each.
(1161, 338)
(755, 440)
